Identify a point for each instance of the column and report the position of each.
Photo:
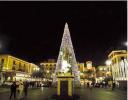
(69, 87)
(58, 87)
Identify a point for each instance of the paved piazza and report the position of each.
(85, 94)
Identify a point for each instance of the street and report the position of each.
(85, 94)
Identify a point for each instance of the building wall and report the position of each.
(49, 69)
(13, 68)
(47, 66)
(84, 77)
(12, 63)
(102, 71)
(90, 73)
(81, 67)
(119, 64)
(3, 62)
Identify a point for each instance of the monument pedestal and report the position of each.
(65, 85)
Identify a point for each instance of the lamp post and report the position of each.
(0, 73)
(124, 68)
(47, 76)
(126, 44)
(108, 63)
(1, 65)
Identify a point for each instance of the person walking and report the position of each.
(90, 86)
(26, 85)
(21, 88)
(13, 90)
(113, 85)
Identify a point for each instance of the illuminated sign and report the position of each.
(89, 64)
(22, 75)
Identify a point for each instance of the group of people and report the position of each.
(34, 84)
(19, 87)
(89, 85)
(93, 84)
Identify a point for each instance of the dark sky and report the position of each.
(33, 30)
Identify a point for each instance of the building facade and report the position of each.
(49, 69)
(90, 71)
(119, 66)
(102, 73)
(12, 68)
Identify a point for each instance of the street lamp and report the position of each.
(0, 74)
(108, 63)
(47, 71)
(0, 46)
(47, 75)
(126, 44)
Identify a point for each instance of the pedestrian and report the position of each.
(21, 88)
(13, 90)
(91, 85)
(26, 85)
(113, 85)
(106, 84)
(88, 84)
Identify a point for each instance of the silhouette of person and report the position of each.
(113, 85)
(13, 90)
(21, 88)
(26, 88)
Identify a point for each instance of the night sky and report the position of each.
(33, 30)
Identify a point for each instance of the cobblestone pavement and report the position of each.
(85, 94)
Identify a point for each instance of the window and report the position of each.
(122, 58)
(2, 63)
(14, 65)
(14, 62)
(19, 66)
(24, 68)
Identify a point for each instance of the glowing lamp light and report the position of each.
(61, 53)
(101, 78)
(81, 74)
(108, 62)
(101, 68)
(0, 45)
(47, 71)
(65, 66)
(126, 43)
(89, 65)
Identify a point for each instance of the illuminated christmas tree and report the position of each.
(66, 62)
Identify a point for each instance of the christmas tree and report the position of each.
(66, 60)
